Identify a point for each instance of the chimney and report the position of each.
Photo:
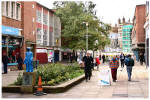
(123, 19)
(119, 21)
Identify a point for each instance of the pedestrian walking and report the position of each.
(100, 57)
(141, 58)
(129, 62)
(97, 62)
(103, 57)
(122, 58)
(71, 58)
(5, 61)
(114, 64)
(20, 62)
(88, 61)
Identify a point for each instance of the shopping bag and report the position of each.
(104, 77)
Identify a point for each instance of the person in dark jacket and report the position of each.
(103, 57)
(5, 61)
(88, 60)
(129, 62)
(122, 58)
(20, 62)
(141, 58)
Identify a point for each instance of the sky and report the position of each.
(109, 11)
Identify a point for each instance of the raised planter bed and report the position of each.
(48, 89)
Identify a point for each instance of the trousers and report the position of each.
(114, 74)
(88, 73)
(129, 71)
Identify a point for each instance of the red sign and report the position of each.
(51, 29)
(45, 27)
(39, 25)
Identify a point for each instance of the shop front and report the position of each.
(12, 42)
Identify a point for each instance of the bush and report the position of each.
(53, 74)
(19, 80)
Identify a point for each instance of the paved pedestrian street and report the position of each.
(137, 88)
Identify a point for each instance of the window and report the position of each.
(38, 16)
(45, 38)
(7, 8)
(18, 11)
(45, 19)
(12, 9)
(3, 8)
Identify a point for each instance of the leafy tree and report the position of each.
(73, 16)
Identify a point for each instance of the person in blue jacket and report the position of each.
(28, 60)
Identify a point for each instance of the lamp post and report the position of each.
(86, 35)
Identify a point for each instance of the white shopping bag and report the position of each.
(104, 77)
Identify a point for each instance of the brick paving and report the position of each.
(137, 88)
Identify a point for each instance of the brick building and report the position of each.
(30, 24)
(146, 27)
(12, 31)
(138, 32)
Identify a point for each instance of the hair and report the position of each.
(129, 55)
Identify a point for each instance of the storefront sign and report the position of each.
(41, 51)
(50, 55)
(10, 30)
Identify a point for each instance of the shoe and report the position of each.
(114, 80)
(129, 80)
(89, 78)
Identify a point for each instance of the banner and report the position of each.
(104, 77)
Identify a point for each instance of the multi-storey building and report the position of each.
(138, 34)
(13, 39)
(48, 35)
(146, 26)
(120, 27)
(30, 24)
(126, 38)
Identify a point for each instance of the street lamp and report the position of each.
(86, 36)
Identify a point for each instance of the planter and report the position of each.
(48, 89)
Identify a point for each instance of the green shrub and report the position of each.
(53, 74)
(19, 80)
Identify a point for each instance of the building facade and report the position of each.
(121, 23)
(146, 27)
(12, 30)
(30, 24)
(48, 35)
(138, 34)
(126, 38)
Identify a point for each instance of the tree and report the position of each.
(73, 15)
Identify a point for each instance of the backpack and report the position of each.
(131, 62)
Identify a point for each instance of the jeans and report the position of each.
(129, 71)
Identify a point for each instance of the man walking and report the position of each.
(103, 57)
(122, 58)
(114, 64)
(129, 62)
(88, 60)
(5, 61)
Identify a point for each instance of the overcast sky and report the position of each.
(108, 10)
